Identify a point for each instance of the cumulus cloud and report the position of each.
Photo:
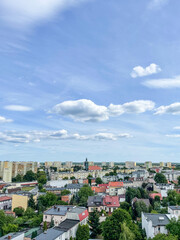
(18, 108)
(23, 13)
(84, 110)
(5, 120)
(37, 136)
(139, 71)
(163, 83)
(173, 108)
(177, 128)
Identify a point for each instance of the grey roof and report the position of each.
(94, 201)
(78, 210)
(58, 210)
(74, 186)
(50, 234)
(66, 225)
(13, 235)
(157, 219)
(175, 207)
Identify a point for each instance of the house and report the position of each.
(110, 203)
(94, 168)
(174, 211)
(13, 236)
(113, 187)
(5, 203)
(67, 198)
(99, 189)
(146, 201)
(95, 202)
(60, 213)
(153, 195)
(65, 230)
(122, 198)
(154, 224)
(163, 188)
(57, 213)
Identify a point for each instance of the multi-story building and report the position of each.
(161, 164)
(8, 169)
(20, 199)
(171, 175)
(111, 164)
(5, 203)
(68, 164)
(148, 165)
(130, 164)
(103, 164)
(168, 164)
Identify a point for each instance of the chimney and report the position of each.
(58, 209)
(9, 237)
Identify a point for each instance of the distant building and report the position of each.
(103, 164)
(111, 164)
(86, 165)
(94, 168)
(5, 203)
(130, 164)
(20, 199)
(148, 165)
(68, 164)
(91, 163)
(161, 164)
(168, 164)
(174, 211)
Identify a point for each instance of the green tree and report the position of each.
(94, 223)
(174, 227)
(65, 192)
(19, 211)
(125, 206)
(29, 213)
(7, 228)
(99, 180)
(29, 176)
(132, 193)
(111, 228)
(42, 179)
(44, 226)
(126, 233)
(139, 207)
(72, 178)
(83, 195)
(47, 200)
(160, 178)
(34, 234)
(82, 232)
(52, 223)
(179, 180)
(161, 236)
(31, 202)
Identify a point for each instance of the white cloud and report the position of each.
(84, 110)
(156, 4)
(177, 128)
(170, 109)
(163, 83)
(37, 136)
(18, 108)
(173, 135)
(22, 13)
(5, 120)
(139, 71)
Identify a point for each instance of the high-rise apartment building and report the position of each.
(148, 165)
(161, 164)
(130, 164)
(111, 164)
(168, 164)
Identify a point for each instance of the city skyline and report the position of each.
(90, 78)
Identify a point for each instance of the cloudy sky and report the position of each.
(90, 78)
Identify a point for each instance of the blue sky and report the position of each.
(90, 78)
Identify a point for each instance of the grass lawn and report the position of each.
(27, 188)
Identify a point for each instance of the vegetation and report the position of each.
(174, 227)
(94, 224)
(83, 195)
(82, 232)
(160, 178)
(99, 180)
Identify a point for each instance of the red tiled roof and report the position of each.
(103, 185)
(5, 198)
(83, 215)
(115, 184)
(153, 195)
(2, 185)
(99, 189)
(93, 168)
(111, 201)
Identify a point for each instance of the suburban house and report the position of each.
(5, 203)
(174, 211)
(95, 203)
(63, 231)
(60, 213)
(113, 187)
(110, 203)
(153, 195)
(67, 198)
(163, 188)
(154, 223)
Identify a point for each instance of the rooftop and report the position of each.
(5, 198)
(157, 219)
(175, 207)
(12, 235)
(66, 225)
(50, 234)
(58, 210)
